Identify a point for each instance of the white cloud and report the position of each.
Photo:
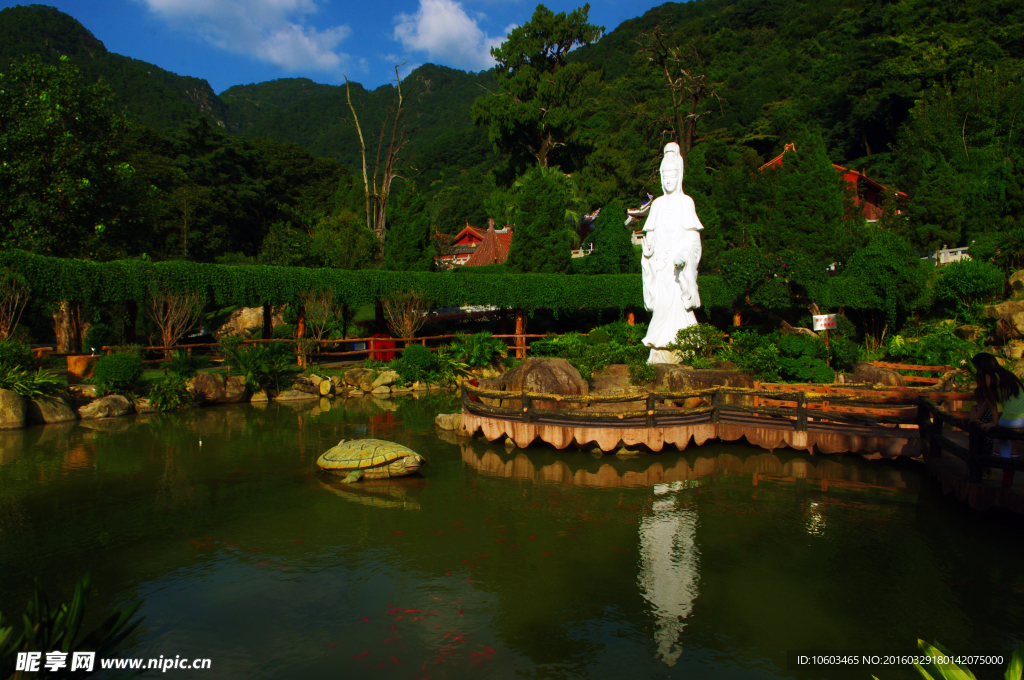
(443, 30)
(275, 31)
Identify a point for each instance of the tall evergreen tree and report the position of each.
(409, 246)
(541, 243)
(614, 252)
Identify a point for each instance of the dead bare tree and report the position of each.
(688, 85)
(175, 314)
(13, 297)
(376, 197)
(406, 312)
(321, 310)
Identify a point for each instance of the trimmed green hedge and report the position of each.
(55, 279)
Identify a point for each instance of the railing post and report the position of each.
(520, 330)
(716, 406)
(650, 409)
(801, 412)
(975, 444)
(923, 428)
(527, 404)
(934, 445)
(465, 395)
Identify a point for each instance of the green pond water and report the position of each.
(532, 563)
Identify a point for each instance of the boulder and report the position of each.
(315, 380)
(338, 382)
(111, 406)
(866, 373)
(355, 393)
(12, 410)
(380, 389)
(143, 405)
(448, 421)
(357, 376)
(216, 388)
(260, 397)
(46, 410)
(969, 332)
(80, 367)
(295, 395)
(1014, 350)
(1017, 281)
(418, 387)
(325, 387)
(1010, 315)
(246, 319)
(385, 379)
(545, 376)
(304, 386)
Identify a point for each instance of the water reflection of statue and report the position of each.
(669, 568)
(671, 253)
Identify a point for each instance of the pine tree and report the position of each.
(408, 246)
(614, 252)
(541, 241)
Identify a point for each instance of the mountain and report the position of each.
(153, 96)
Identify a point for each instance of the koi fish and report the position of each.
(366, 619)
(489, 650)
(360, 656)
(456, 524)
(390, 639)
(333, 645)
(298, 540)
(499, 540)
(460, 611)
(483, 555)
(398, 532)
(411, 611)
(262, 563)
(457, 601)
(395, 660)
(533, 537)
(547, 553)
(514, 545)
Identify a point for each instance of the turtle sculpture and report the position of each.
(370, 459)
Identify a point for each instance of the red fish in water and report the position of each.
(260, 564)
(483, 555)
(298, 540)
(412, 611)
(547, 553)
(366, 619)
(455, 524)
(395, 660)
(457, 601)
(398, 532)
(390, 639)
(470, 580)
(447, 573)
(499, 540)
(360, 656)
(489, 650)
(533, 537)
(394, 627)
(466, 560)
(333, 645)
(514, 545)
(460, 612)
(445, 636)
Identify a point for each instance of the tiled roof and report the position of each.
(493, 250)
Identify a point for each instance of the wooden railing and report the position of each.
(977, 454)
(915, 367)
(863, 407)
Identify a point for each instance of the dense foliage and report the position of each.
(118, 372)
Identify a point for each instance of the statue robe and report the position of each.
(671, 232)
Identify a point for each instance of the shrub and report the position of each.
(843, 351)
(641, 372)
(260, 366)
(701, 363)
(701, 340)
(449, 367)
(479, 350)
(117, 372)
(938, 346)
(101, 335)
(184, 365)
(28, 384)
(15, 354)
(967, 282)
(621, 332)
(753, 353)
(417, 364)
(170, 393)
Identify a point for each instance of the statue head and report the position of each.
(672, 169)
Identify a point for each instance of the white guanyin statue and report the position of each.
(671, 253)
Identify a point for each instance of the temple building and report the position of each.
(473, 247)
(867, 194)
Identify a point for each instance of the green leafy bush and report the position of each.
(449, 367)
(701, 340)
(938, 345)
(15, 354)
(260, 366)
(843, 351)
(479, 350)
(101, 335)
(416, 364)
(29, 384)
(170, 393)
(588, 356)
(117, 372)
(701, 363)
(184, 365)
(968, 282)
(753, 353)
(641, 372)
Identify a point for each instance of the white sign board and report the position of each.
(824, 322)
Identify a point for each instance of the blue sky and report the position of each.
(234, 42)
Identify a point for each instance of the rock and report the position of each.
(381, 389)
(355, 393)
(1014, 350)
(338, 382)
(83, 391)
(303, 386)
(1017, 281)
(866, 373)
(112, 406)
(295, 395)
(260, 397)
(969, 333)
(143, 405)
(246, 319)
(419, 387)
(395, 389)
(684, 378)
(216, 388)
(325, 387)
(12, 410)
(315, 380)
(46, 410)
(546, 376)
(448, 421)
(1010, 314)
(386, 378)
(357, 376)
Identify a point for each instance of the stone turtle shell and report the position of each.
(361, 454)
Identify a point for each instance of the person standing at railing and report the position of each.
(1006, 388)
